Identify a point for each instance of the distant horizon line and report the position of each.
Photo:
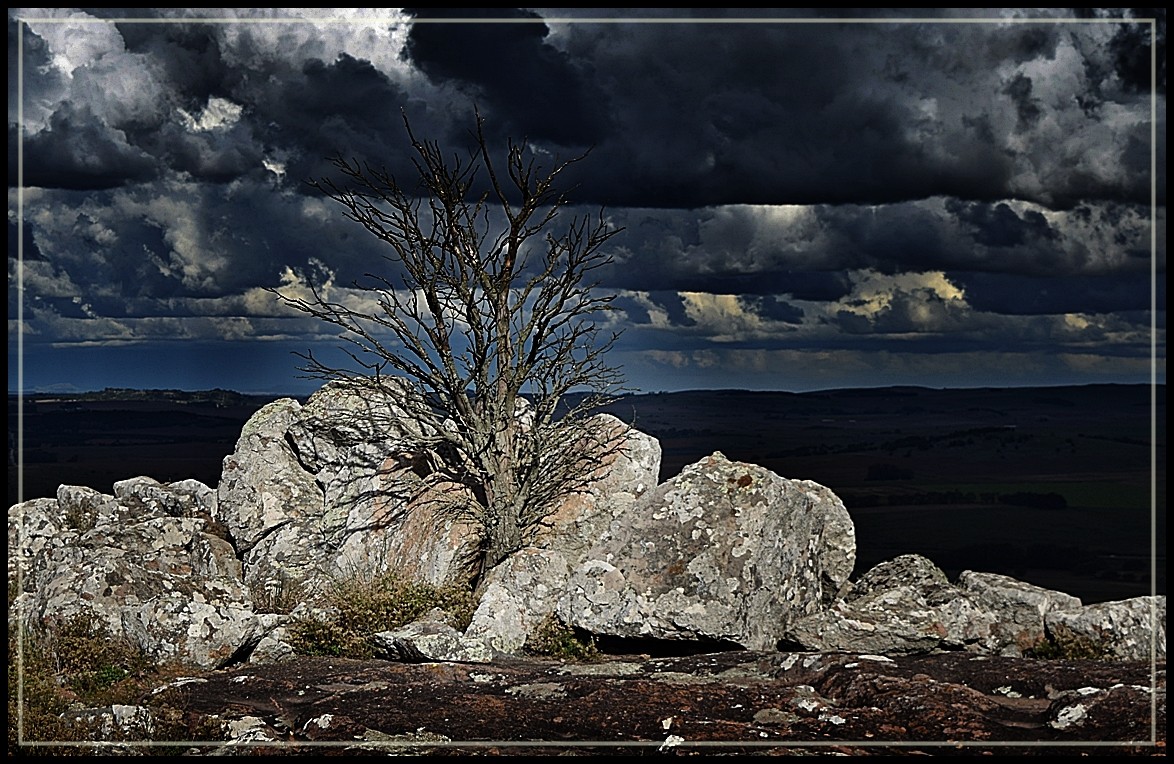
(288, 394)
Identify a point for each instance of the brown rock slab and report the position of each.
(736, 702)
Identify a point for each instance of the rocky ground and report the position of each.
(728, 703)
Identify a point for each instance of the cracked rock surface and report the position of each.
(735, 702)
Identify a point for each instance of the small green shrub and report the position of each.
(76, 663)
(316, 636)
(365, 606)
(91, 662)
(554, 640)
(35, 700)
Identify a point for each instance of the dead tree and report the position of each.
(482, 328)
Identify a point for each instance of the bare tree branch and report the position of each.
(481, 334)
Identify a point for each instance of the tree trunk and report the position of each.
(503, 528)
(504, 531)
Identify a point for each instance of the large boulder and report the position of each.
(517, 597)
(625, 466)
(1020, 610)
(36, 530)
(902, 606)
(329, 490)
(726, 551)
(521, 593)
(907, 606)
(263, 486)
(142, 564)
(354, 439)
(431, 640)
(183, 498)
(428, 538)
(1130, 630)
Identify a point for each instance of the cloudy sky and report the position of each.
(808, 202)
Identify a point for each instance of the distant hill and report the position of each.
(214, 397)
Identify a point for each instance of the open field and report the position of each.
(1052, 485)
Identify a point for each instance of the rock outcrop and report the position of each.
(324, 491)
(724, 552)
(518, 595)
(430, 640)
(311, 495)
(903, 606)
(907, 605)
(522, 592)
(1020, 610)
(142, 563)
(1131, 630)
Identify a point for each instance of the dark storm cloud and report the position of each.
(788, 113)
(93, 139)
(217, 157)
(779, 113)
(893, 239)
(529, 88)
(772, 308)
(78, 151)
(815, 286)
(343, 107)
(1133, 46)
(306, 112)
(756, 115)
(673, 306)
(166, 242)
(1001, 226)
(138, 268)
(33, 74)
(636, 313)
(190, 55)
(1020, 295)
(638, 310)
(681, 115)
(907, 188)
(28, 240)
(1019, 89)
(1000, 237)
(809, 254)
